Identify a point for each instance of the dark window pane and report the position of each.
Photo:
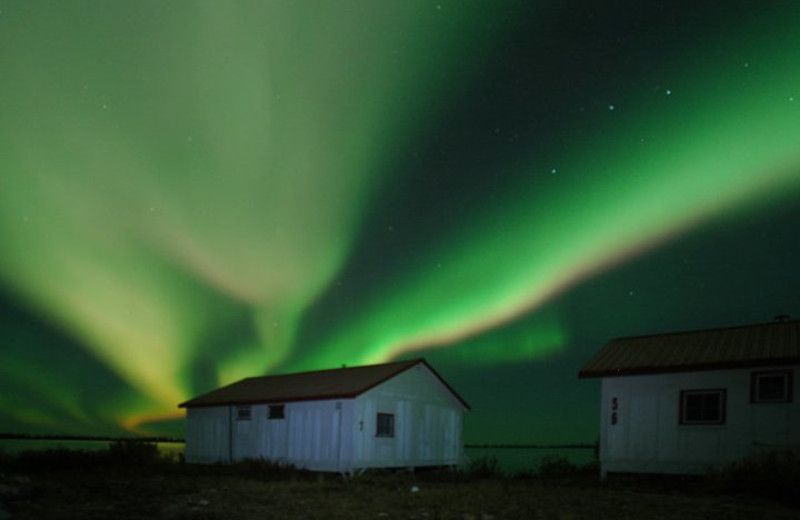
(772, 387)
(243, 413)
(385, 425)
(276, 411)
(703, 407)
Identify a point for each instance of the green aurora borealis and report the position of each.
(193, 192)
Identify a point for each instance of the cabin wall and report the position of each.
(641, 431)
(317, 439)
(427, 423)
(308, 436)
(207, 435)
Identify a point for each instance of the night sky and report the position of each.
(192, 192)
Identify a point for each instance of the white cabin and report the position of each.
(400, 414)
(689, 402)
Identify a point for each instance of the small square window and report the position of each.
(276, 411)
(774, 386)
(243, 413)
(385, 426)
(702, 407)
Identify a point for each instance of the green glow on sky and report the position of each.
(535, 338)
(165, 162)
(652, 176)
(182, 182)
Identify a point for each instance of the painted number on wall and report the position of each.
(614, 410)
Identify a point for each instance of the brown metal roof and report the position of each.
(340, 383)
(773, 343)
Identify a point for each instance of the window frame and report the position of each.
(276, 412)
(722, 407)
(244, 412)
(379, 431)
(788, 388)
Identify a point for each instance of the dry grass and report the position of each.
(134, 487)
(101, 495)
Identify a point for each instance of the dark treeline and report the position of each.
(586, 446)
(64, 437)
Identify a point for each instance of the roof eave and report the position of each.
(700, 367)
(289, 399)
(198, 402)
(455, 394)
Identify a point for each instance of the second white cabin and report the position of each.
(689, 402)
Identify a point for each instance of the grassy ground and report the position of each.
(124, 487)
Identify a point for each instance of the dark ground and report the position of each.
(137, 484)
(103, 495)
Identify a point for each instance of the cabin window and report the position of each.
(243, 413)
(276, 411)
(701, 407)
(385, 426)
(774, 386)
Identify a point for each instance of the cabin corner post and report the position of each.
(230, 433)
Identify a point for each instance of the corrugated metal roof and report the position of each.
(773, 343)
(340, 383)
